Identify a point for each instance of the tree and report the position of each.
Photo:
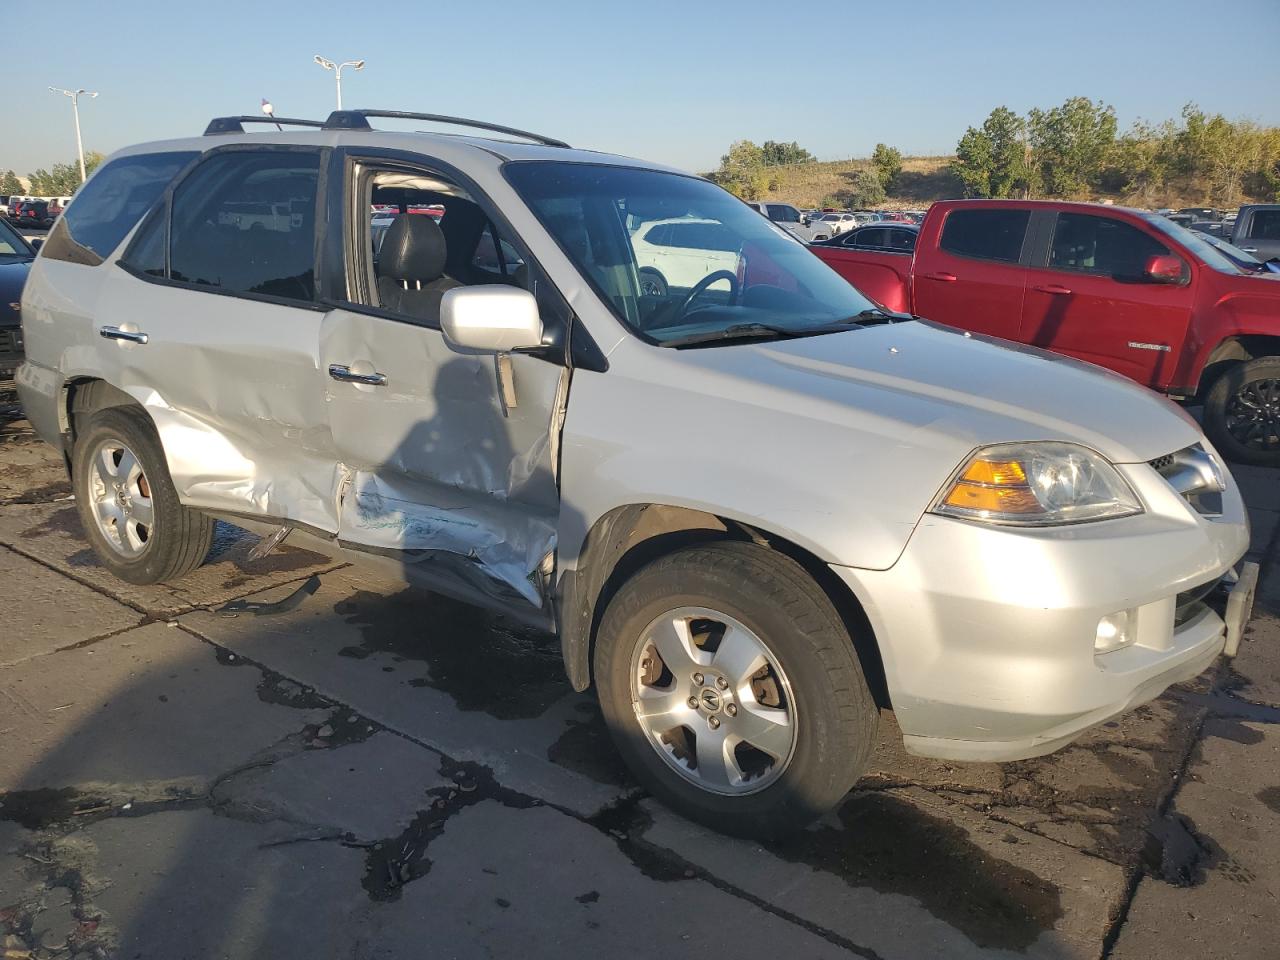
(992, 161)
(888, 164)
(1071, 144)
(742, 171)
(865, 189)
(9, 183)
(774, 154)
(64, 179)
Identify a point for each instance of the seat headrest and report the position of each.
(413, 249)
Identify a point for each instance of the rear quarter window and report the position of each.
(985, 234)
(108, 206)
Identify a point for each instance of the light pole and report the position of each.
(75, 108)
(337, 71)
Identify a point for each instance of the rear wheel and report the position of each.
(731, 687)
(1242, 412)
(128, 504)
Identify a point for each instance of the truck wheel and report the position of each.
(1242, 412)
(128, 504)
(731, 688)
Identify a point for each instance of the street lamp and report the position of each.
(337, 70)
(75, 108)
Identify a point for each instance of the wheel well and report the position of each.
(1232, 351)
(82, 396)
(628, 538)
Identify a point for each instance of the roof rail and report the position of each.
(359, 120)
(234, 124)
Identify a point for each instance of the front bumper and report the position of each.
(987, 633)
(11, 351)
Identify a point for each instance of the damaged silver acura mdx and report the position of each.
(611, 400)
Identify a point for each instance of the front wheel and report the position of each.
(127, 502)
(731, 687)
(1242, 412)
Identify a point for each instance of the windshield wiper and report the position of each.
(874, 315)
(737, 331)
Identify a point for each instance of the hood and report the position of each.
(13, 275)
(935, 387)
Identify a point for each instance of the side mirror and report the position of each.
(490, 318)
(1163, 268)
(36, 243)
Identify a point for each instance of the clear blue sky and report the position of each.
(667, 80)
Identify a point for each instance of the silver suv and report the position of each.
(755, 507)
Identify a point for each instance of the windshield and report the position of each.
(677, 257)
(1197, 244)
(11, 244)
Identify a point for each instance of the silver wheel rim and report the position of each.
(713, 701)
(120, 498)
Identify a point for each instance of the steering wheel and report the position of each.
(701, 286)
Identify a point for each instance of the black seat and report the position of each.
(411, 266)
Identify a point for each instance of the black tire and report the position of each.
(835, 714)
(655, 281)
(179, 537)
(1255, 383)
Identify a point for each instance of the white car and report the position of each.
(837, 223)
(791, 220)
(680, 252)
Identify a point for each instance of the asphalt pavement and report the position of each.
(380, 772)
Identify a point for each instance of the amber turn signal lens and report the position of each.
(973, 496)
(1003, 473)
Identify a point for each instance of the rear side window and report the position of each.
(245, 223)
(986, 234)
(875, 237)
(1265, 225)
(108, 206)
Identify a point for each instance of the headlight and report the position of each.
(1036, 485)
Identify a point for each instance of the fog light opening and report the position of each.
(1114, 631)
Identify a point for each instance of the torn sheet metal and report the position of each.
(509, 543)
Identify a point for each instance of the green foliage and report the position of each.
(9, 183)
(887, 162)
(64, 179)
(1070, 144)
(774, 154)
(865, 190)
(992, 161)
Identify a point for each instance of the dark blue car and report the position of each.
(15, 262)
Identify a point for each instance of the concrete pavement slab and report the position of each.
(146, 712)
(51, 533)
(455, 678)
(45, 611)
(907, 874)
(1256, 670)
(30, 471)
(1224, 825)
(535, 883)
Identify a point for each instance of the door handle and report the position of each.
(948, 277)
(1053, 288)
(115, 333)
(345, 374)
(1249, 249)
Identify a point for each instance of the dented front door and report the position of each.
(437, 460)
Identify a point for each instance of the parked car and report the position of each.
(37, 213)
(788, 218)
(1257, 230)
(883, 237)
(4, 205)
(1245, 261)
(1201, 213)
(15, 262)
(1125, 289)
(677, 253)
(838, 223)
(1214, 228)
(15, 208)
(755, 511)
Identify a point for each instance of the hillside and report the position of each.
(925, 179)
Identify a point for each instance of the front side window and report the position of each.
(110, 204)
(989, 234)
(1265, 225)
(11, 245)
(1102, 245)
(709, 262)
(244, 222)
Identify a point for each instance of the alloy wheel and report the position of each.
(120, 498)
(1253, 415)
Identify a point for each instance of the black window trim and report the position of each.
(164, 207)
(1028, 235)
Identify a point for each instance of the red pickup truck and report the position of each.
(1125, 289)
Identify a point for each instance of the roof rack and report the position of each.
(359, 120)
(235, 124)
